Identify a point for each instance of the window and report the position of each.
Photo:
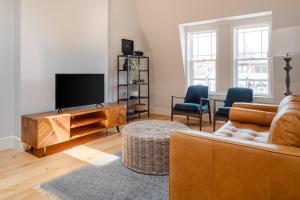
(202, 58)
(251, 58)
(229, 52)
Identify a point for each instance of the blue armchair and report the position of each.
(196, 103)
(233, 95)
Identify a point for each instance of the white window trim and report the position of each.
(240, 20)
(263, 21)
(188, 47)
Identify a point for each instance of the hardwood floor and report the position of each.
(21, 172)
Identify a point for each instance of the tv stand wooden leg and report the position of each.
(44, 151)
(118, 129)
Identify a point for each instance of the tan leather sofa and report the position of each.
(254, 156)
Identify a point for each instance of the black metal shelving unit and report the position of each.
(127, 99)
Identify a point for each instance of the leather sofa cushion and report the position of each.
(285, 128)
(250, 132)
(257, 106)
(292, 99)
(250, 116)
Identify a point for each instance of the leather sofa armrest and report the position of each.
(208, 166)
(250, 116)
(256, 106)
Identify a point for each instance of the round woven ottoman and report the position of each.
(146, 145)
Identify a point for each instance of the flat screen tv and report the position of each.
(74, 90)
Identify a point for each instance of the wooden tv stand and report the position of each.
(42, 130)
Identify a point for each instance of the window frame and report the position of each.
(189, 47)
(218, 24)
(252, 24)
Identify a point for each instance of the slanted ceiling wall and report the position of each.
(159, 22)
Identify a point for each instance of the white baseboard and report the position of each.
(11, 142)
(160, 110)
(164, 111)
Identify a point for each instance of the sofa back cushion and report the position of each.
(250, 116)
(289, 100)
(285, 128)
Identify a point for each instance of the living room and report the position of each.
(198, 99)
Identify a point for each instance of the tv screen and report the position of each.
(73, 90)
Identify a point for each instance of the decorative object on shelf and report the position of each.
(134, 93)
(286, 43)
(134, 70)
(127, 47)
(138, 53)
(125, 65)
(141, 81)
(140, 107)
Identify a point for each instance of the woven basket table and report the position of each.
(146, 146)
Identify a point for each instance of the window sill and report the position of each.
(264, 99)
(257, 99)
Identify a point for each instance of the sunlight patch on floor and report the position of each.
(90, 155)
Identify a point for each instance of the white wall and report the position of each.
(123, 23)
(72, 37)
(59, 36)
(7, 67)
(159, 21)
(41, 38)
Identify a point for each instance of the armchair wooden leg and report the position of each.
(214, 124)
(200, 114)
(209, 113)
(200, 119)
(172, 103)
(214, 115)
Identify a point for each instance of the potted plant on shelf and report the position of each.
(134, 70)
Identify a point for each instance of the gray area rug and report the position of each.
(108, 179)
